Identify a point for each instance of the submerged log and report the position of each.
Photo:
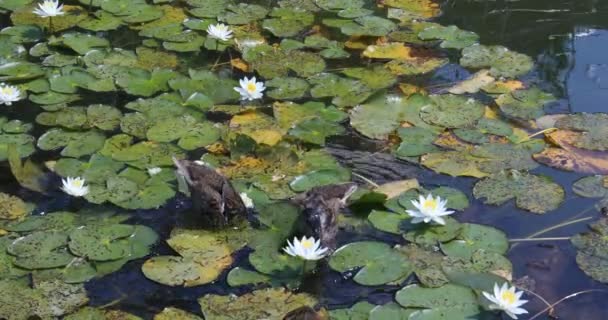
(320, 209)
(213, 196)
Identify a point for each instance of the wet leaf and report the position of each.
(452, 111)
(452, 37)
(379, 117)
(591, 251)
(101, 243)
(254, 305)
(175, 314)
(524, 103)
(287, 88)
(533, 193)
(344, 91)
(501, 61)
(359, 311)
(239, 277)
(448, 296)
(475, 237)
(41, 250)
(12, 207)
(287, 22)
(243, 13)
(368, 26)
(380, 263)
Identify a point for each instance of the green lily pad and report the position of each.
(592, 127)
(239, 277)
(390, 310)
(533, 193)
(23, 34)
(452, 37)
(286, 22)
(416, 141)
(101, 21)
(12, 207)
(143, 83)
(48, 299)
(243, 13)
(452, 111)
(368, 26)
(41, 250)
(591, 254)
(74, 144)
(319, 178)
(272, 62)
(380, 263)
(591, 187)
(287, 88)
(359, 311)
(475, 237)
(254, 305)
(379, 117)
(101, 243)
(175, 314)
(501, 61)
(377, 77)
(448, 296)
(524, 104)
(24, 15)
(20, 70)
(204, 255)
(316, 130)
(81, 43)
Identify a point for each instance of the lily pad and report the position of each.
(379, 263)
(452, 111)
(288, 22)
(451, 36)
(101, 243)
(448, 296)
(41, 250)
(475, 237)
(368, 26)
(524, 104)
(254, 305)
(379, 117)
(533, 193)
(591, 254)
(501, 61)
(11, 207)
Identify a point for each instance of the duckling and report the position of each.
(213, 196)
(320, 209)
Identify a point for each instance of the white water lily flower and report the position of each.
(429, 210)
(49, 8)
(250, 89)
(9, 94)
(219, 31)
(507, 300)
(154, 171)
(75, 187)
(246, 200)
(307, 248)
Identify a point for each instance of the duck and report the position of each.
(320, 209)
(212, 194)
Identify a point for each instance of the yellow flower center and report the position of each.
(251, 87)
(430, 204)
(7, 91)
(508, 297)
(307, 244)
(77, 183)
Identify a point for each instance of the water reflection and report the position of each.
(567, 37)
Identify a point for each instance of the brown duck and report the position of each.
(320, 209)
(213, 196)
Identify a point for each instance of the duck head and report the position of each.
(320, 209)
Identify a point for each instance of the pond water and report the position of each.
(363, 91)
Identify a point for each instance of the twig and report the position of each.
(375, 185)
(552, 306)
(539, 239)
